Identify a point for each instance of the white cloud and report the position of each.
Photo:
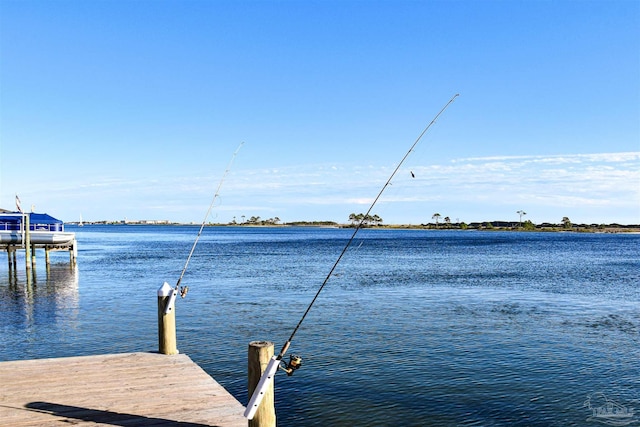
(605, 184)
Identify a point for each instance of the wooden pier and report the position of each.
(132, 389)
(30, 252)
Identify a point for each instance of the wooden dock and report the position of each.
(132, 389)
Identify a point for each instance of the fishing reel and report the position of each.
(183, 291)
(172, 293)
(294, 364)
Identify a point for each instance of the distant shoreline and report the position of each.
(474, 226)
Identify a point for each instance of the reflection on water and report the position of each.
(51, 291)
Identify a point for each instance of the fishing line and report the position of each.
(354, 253)
(274, 364)
(359, 226)
(215, 197)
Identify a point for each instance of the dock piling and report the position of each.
(73, 253)
(27, 245)
(260, 353)
(166, 322)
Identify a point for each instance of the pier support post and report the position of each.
(260, 353)
(73, 253)
(27, 249)
(27, 244)
(166, 322)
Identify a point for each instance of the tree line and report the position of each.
(445, 223)
(364, 219)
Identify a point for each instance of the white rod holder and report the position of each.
(261, 388)
(171, 302)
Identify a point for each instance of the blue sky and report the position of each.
(133, 109)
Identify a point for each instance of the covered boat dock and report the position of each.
(32, 231)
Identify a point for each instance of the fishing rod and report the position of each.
(295, 361)
(183, 290)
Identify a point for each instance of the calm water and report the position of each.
(416, 327)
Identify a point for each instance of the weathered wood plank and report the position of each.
(134, 389)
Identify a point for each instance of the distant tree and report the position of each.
(436, 216)
(463, 226)
(447, 221)
(521, 213)
(528, 225)
(365, 220)
(566, 222)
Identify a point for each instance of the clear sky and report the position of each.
(132, 109)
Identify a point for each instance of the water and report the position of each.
(415, 328)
